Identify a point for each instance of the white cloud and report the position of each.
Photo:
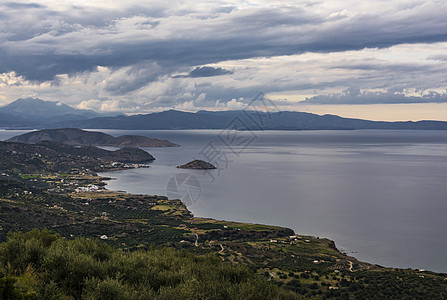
(233, 104)
(90, 104)
(11, 79)
(106, 106)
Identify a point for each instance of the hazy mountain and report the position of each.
(12, 121)
(78, 137)
(37, 113)
(246, 120)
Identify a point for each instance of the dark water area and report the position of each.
(380, 195)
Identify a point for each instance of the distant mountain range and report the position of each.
(79, 137)
(38, 114)
(246, 120)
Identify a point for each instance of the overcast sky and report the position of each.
(139, 56)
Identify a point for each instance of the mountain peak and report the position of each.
(38, 109)
(33, 101)
(34, 107)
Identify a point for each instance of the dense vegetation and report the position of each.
(48, 156)
(41, 265)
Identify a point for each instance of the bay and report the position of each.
(380, 195)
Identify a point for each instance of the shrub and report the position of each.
(49, 267)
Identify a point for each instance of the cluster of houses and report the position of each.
(127, 165)
(88, 188)
(291, 240)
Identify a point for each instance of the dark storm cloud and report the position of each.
(17, 5)
(134, 78)
(40, 45)
(442, 57)
(205, 72)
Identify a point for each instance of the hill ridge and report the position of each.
(248, 120)
(79, 137)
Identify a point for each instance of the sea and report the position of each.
(381, 195)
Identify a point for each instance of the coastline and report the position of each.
(345, 253)
(348, 262)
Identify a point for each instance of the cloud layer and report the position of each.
(355, 96)
(145, 55)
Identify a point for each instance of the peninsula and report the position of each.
(49, 156)
(78, 137)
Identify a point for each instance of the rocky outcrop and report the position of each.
(57, 157)
(140, 141)
(132, 155)
(198, 165)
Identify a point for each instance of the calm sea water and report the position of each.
(380, 195)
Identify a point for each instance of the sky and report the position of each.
(382, 60)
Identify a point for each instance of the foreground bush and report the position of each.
(41, 265)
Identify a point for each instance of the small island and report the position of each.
(198, 165)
